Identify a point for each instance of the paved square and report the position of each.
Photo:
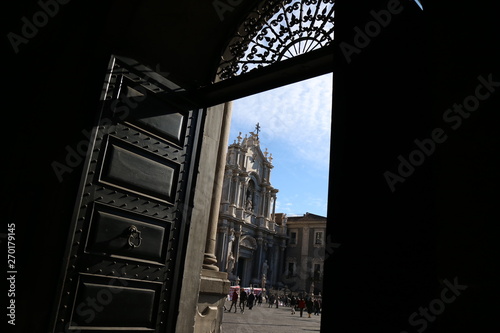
(262, 319)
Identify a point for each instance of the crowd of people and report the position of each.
(310, 305)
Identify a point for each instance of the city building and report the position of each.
(305, 253)
(250, 242)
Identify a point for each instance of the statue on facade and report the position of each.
(249, 204)
(265, 266)
(230, 262)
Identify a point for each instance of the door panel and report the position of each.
(124, 254)
(109, 234)
(135, 169)
(118, 304)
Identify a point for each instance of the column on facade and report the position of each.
(237, 238)
(265, 201)
(240, 206)
(229, 176)
(241, 185)
(258, 260)
(237, 191)
(224, 201)
(221, 251)
(276, 268)
(273, 194)
(271, 262)
(265, 257)
(268, 201)
(234, 193)
(233, 189)
(281, 260)
(262, 206)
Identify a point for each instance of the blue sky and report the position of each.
(295, 125)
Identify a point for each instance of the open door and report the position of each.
(125, 248)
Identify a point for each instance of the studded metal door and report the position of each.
(124, 253)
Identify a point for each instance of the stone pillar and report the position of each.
(209, 261)
(204, 287)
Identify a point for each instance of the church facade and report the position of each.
(250, 241)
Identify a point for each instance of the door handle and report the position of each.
(134, 238)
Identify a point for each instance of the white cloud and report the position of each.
(295, 125)
(297, 116)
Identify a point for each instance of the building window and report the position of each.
(293, 238)
(318, 238)
(291, 269)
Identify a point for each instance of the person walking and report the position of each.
(243, 299)
(234, 300)
(259, 299)
(309, 306)
(292, 304)
(317, 307)
(301, 305)
(271, 301)
(250, 301)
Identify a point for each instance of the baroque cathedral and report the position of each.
(251, 242)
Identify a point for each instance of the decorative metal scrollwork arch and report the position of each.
(276, 31)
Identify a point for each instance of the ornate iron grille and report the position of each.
(276, 31)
